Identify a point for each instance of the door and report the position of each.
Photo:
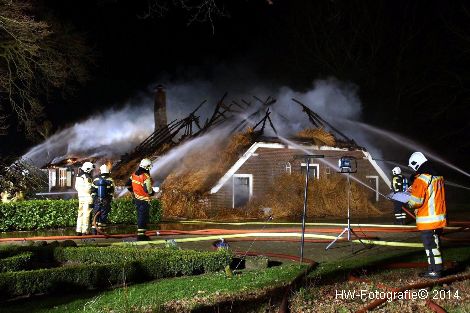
(242, 189)
(373, 182)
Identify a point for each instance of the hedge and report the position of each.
(156, 263)
(16, 263)
(42, 214)
(176, 262)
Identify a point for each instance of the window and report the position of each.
(314, 170)
(288, 168)
(52, 178)
(62, 177)
(69, 178)
(327, 170)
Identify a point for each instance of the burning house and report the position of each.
(249, 169)
(237, 159)
(62, 171)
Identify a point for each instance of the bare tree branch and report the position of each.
(33, 59)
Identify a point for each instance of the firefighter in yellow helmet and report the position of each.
(428, 201)
(140, 184)
(83, 186)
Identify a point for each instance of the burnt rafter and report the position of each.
(266, 104)
(319, 122)
(263, 122)
(218, 113)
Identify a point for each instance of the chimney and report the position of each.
(159, 107)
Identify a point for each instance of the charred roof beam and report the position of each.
(317, 120)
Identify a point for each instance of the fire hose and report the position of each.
(210, 234)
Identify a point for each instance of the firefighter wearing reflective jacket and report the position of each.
(399, 184)
(83, 186)
(103, 192)
(140, 183)
(428, 201)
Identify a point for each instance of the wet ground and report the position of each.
(291, 246)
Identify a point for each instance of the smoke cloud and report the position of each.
(106, 135)
(115, 132)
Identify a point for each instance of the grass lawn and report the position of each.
(177, 294)
(329, 278)
(189, 293)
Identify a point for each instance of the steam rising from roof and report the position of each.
(117, 131)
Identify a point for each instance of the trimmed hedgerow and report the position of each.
(138, 265)
(16, 263)
(174, 262)
(41, 214)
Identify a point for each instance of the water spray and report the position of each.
(270, 218)
(407, 143)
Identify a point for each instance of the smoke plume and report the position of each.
(115, 132)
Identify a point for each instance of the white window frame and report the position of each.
(68, 175)
(62, 177)
(288, 168)
(52, 178)
(376, 186)
(250, 185)
(315, 165)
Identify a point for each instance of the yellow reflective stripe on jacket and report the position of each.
(430, 219)
(415, 201)
(137, 182)
(142, 197)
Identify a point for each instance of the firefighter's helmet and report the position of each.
(416, 160)
(146, 164)
(104, 169)
(87, 167)
(396, 171)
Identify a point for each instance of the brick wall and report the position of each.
(267, 163)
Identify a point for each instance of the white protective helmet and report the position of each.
(104, 169)
(146, 164)
(396, 171)
(416, 160)
(87, 167)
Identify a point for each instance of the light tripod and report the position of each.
(347, 166)
(307, 159)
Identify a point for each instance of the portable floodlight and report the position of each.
(347, 164)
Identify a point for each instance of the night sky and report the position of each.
(410, 59)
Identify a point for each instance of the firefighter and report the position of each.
(428, 201)
(83, 187)
(103, 193)
(399, 184)
(140, 184)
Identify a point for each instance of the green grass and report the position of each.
(338, 271)
(192, 291)
(341, 268)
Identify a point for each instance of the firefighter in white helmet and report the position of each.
(428, 201)
(103, 193)
(399, 184)
(140, 184)
(83, 186)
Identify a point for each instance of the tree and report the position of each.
(199, 11)
(37, 57)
